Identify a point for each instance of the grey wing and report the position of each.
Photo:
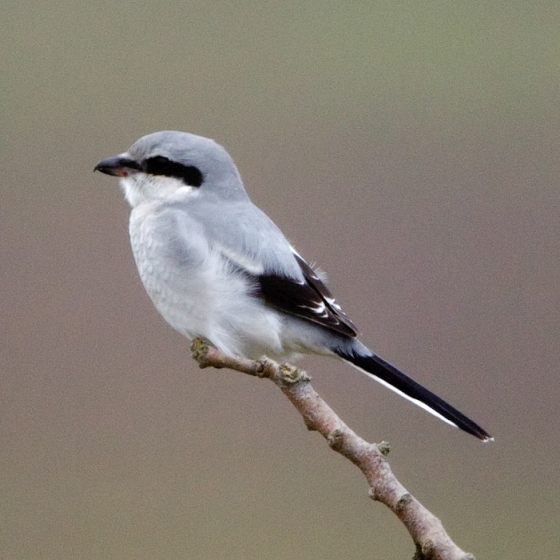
(246, 236)
(255, 246)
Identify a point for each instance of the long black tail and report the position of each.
(394, 379)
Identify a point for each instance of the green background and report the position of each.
(411, 149)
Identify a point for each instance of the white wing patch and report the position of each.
(242, 261)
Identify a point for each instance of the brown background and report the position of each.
(411, 149)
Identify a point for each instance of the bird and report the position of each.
(216, 267)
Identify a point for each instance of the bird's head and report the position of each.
(170, 164)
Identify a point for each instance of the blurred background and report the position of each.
(410, 149)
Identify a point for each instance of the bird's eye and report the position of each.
(159, 165)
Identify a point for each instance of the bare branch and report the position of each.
(426, 530)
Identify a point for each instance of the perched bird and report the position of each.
(216, 266)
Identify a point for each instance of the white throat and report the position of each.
(140, 188)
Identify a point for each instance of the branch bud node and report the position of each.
(383, 448)
(336, 439)
(404, 501)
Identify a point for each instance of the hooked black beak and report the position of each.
(118, 166)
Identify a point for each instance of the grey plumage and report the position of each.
(217, 267)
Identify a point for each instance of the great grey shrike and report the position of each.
(216, 267)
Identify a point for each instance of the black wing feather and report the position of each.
(309, 299)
